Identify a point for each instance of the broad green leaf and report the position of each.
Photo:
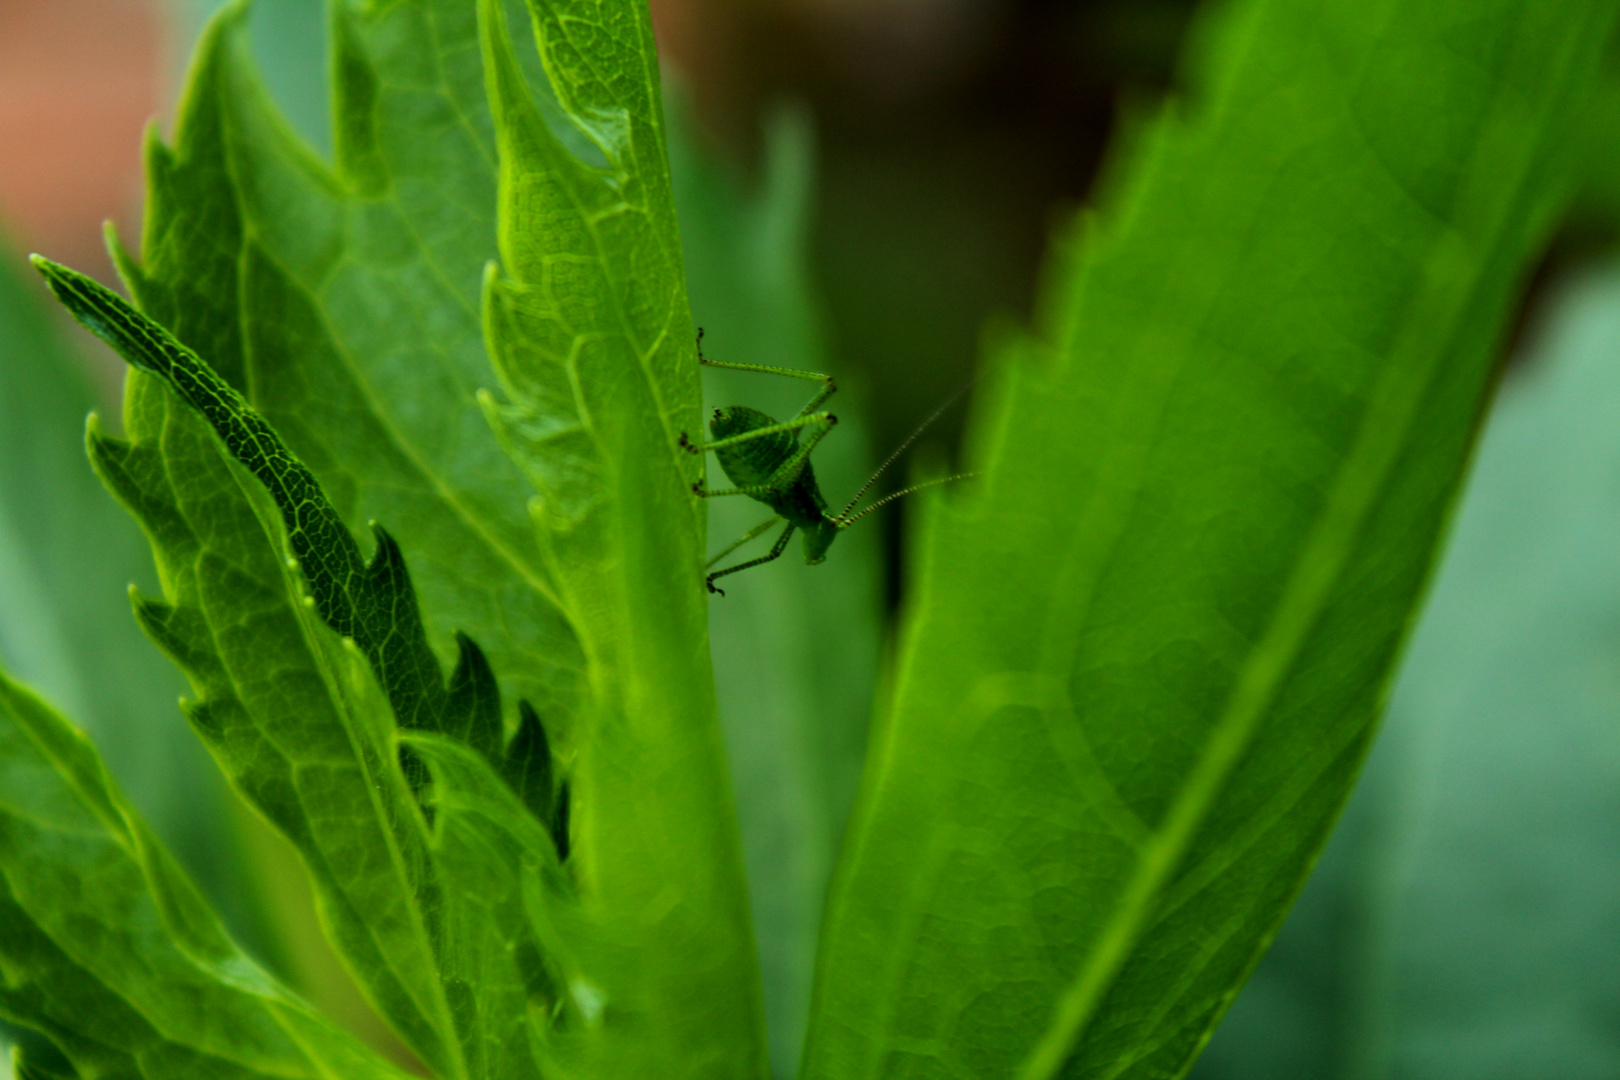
(107, 947)
(344, 303)
(1461, 922)
(1598, 197)
(67, 554)
(1145, 656)
(818, 762)
(340, 317)
(315, 749)
(242, 214)
(795, 647)
(593, 343)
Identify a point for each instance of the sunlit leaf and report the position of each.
(331, 268)
(594, 346)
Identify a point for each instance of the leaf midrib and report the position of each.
(1298, 607)
(350, 725)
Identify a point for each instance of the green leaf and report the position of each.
(1146, 654)
(293, 715)
(594, 347)
(343, 302)
(346, 307)
(106, 946)
(346, 318)
(1597, 202)
(367, 601)
(39, 1060)
(67, 553)
(795, 648)
(1459, 924)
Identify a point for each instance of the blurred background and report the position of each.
(1466, 918)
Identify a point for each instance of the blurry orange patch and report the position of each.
(79, 79)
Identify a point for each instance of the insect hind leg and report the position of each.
(774, 554)
(758, 530)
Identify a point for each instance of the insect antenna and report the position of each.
(844, 521)
(843, 515)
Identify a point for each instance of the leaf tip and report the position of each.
(530, 771)
(110, 458)
(387, 561)
(123, 259)
(474, 708)
(157, 618)
(517, 117)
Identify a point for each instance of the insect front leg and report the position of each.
(828, 390)
(758, 491)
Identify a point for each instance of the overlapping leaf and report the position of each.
(292, 715)
(342, 295)
(67, 553)
(106, 946)
(594, 345)
(344, 303)
(1146, 656)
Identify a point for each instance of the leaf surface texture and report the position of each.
(1146, 654)
(335, 316)
(1457, 925)
(108, 948)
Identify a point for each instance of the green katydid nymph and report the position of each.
(770, 463)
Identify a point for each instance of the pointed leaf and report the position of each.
(1459, 922)
(1148, 650)
(67, 553)
(353, 293)
(353, 315)
(594, 346)
(321, 762)
(372, 601)
(107, 948)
